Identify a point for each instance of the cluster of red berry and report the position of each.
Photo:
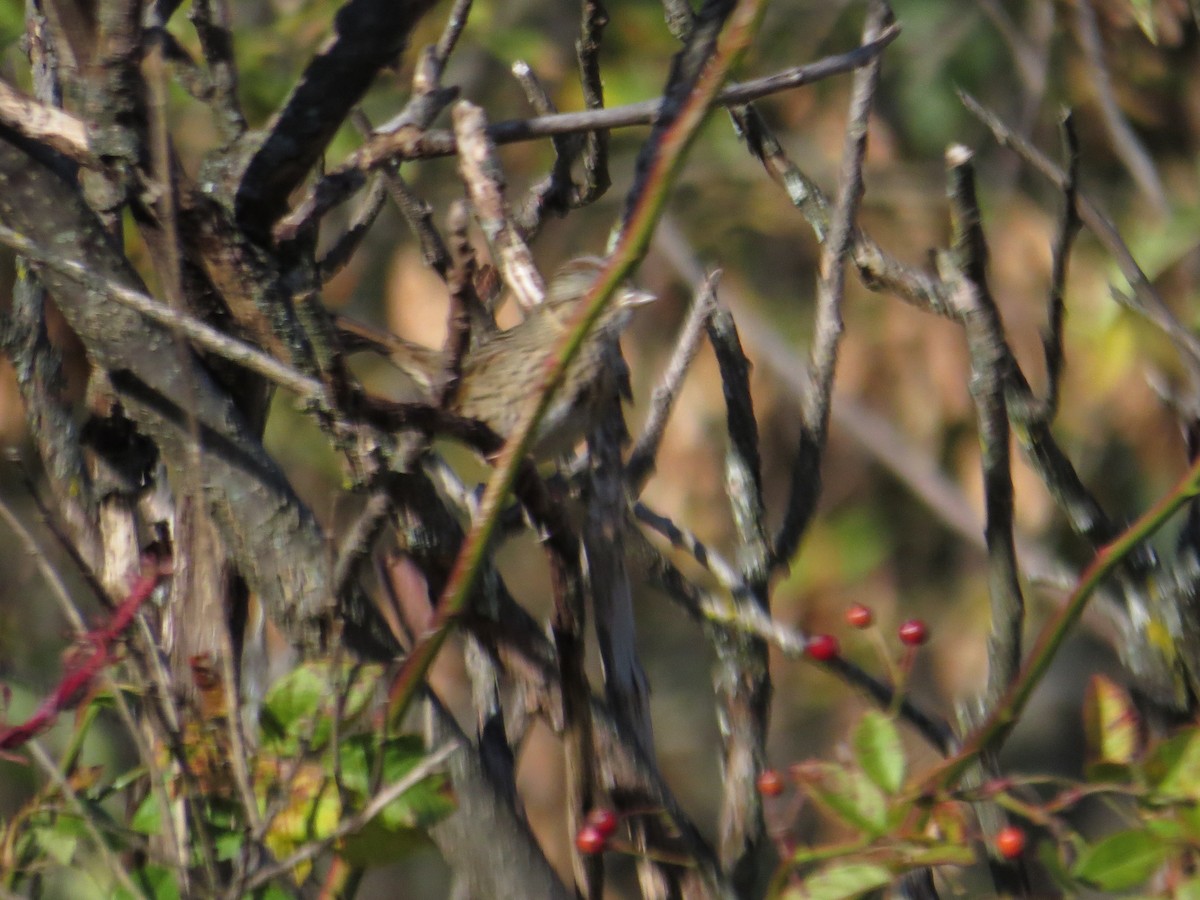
(597, 828)
(824, 647)
(601, 823)
(1009, 842)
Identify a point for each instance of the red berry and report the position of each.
(603, 820)
(860, 616)
(770, 784)
(822, 647)
(590, 840)
(913, 633)
(1010, 842)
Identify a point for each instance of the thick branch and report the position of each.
(368, 35)
(272, 535)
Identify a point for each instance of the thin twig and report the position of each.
(1125, 141)
(553, 194)
(417, 213)
(407, 143)
(1146, 300)
(878, 270)
(360, 538)
(337, 256)
(1068, 228)
(682, 538)
(964, 270)
(742, 677)
(211, 19)
(201, 334)
(480, 170)
(429, 97)
(48, 572)
(645, 451)
(593, 19)
(357, 821)
(889, 447)
(831, 288)
(719, 612)
(111, 860)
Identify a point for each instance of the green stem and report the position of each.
(1004, 718)
(634, 239)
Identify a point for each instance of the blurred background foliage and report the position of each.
(874, 541)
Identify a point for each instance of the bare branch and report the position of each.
(596, 181)
(350, 825)
(417, 213)
(743, 682)
(827, 328)
(204, 336)
(553, 194)
(1146, 300)
(45, 124)
(1068, 228)
(642, 457)
(348, 243)
(965, 271)
(417, 143)
(484, 178)
(368, 35)
(748, 620)
(274, 537)
(1125, 141)
(212, 22)
(890, 448)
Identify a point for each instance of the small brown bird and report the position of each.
(503, 369)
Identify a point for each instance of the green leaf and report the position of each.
(156, 882)
(1121, 861)
(58, 843)
(311, 810)
(1170, 830)
(302, 704)
(1173, 768)
(877, 746)
(843, 882)
(147, 818)
(1110, 724)
(399, 828)
(290, 708)
(852, 797)
(228, 844)
(425, 803)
